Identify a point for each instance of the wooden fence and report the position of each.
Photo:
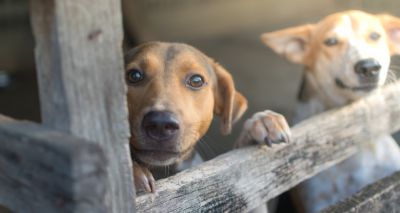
(243, 179)
(78, 159)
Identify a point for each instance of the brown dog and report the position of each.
(346, 56)
(173, 92)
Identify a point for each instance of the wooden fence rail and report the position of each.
(78, 161)
(42, 170)
(244, 179)
(382, 196)
(47, 171)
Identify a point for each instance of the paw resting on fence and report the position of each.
(144, 180)
(266, 127)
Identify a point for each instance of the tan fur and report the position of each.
(167, 67)
(305, 45)
(326, 65)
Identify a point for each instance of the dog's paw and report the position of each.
(265, 127)
(144, 180)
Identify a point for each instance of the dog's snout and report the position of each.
(367, 68)
(160, 125)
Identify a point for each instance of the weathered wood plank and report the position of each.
(43, 170)
(243, 179)
(81, 81)
(382, 196)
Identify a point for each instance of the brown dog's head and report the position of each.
(346, 54)
(173, 92)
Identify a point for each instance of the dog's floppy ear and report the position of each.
(229, 104)
(292, 43)
(392, 27)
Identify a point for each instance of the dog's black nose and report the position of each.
(160, 125)
(367, 68)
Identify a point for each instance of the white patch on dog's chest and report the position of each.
(194, 161)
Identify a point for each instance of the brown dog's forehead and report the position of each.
(350, 21)
(169, 54)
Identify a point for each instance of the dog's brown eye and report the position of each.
(195, 81)
(331, 41)
(135, 76)
(374, 36)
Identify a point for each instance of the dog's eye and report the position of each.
(374, 36)
(134, 76)
(331, 41)
(195, 81)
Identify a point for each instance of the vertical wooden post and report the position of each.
(81, 81)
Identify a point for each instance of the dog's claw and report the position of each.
(152, 184)
(284, 138)
(265, 127)
(268, 141)
(144, 180)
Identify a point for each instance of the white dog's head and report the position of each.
(347, 54)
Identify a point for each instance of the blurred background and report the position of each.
(226, 30)
(229, 31)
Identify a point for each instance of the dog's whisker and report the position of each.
(395, 67)
(198, 148)
(211, 150)
(391, 77)
(394, 70)
(206, 149)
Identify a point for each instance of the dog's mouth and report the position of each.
(364, 88)
(157, 157)
(157, 154)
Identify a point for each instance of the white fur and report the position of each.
(375, 160)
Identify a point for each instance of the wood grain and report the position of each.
(42, 170)
(243, 179)
(81, 81)
(382, 196)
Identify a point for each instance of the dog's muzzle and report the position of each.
(160, 125)
(367, 68)
(367, 71)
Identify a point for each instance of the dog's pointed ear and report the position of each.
(229, 103)
(392, 26)
(292, 43)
